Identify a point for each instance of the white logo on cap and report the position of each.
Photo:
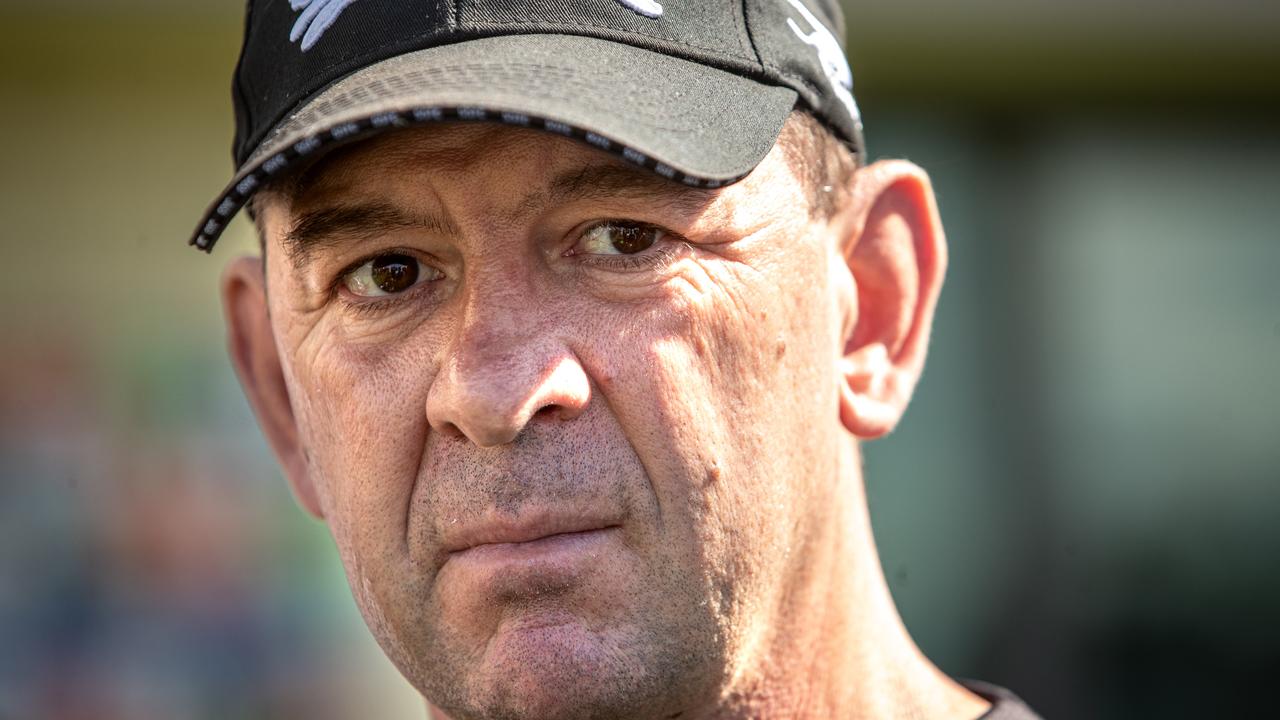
(320, 14)
(313, 21)
(647, 8)
(830, 55)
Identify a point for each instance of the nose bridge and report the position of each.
(504, 366)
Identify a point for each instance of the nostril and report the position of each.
(450, 430)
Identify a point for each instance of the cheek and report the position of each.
(716, 392)
(362, 415)
(742, 362)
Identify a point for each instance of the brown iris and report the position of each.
(628, 239)
(394, 273)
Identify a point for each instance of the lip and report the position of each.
(538, 567)
(528, 533)
(531, 557)
(555, 549)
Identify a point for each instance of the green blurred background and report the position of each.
(1082, 504)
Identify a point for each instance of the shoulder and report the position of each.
(1004, 704)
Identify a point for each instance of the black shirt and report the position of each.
(1004, 704)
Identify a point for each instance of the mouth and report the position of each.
(533, 547)
(515, 553)
(530, 532)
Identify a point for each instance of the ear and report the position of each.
(894, 249)
(252, 346)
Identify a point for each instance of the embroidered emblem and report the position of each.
(834, 64)
(315, 19)
(647, 8)
(318, 15)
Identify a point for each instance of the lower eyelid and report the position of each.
(659, 255)
(384, 303)
(428, 275)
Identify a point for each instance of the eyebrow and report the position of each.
(329, 227)
(326, 228)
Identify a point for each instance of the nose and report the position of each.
(501, 373)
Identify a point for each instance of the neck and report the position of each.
(837, 646)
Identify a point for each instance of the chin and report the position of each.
(552, 667)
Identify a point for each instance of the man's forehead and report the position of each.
(520, 172)
(480, 153)
(476, 154)
(444, 149)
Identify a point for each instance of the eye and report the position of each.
(388, 275)
(619, 238)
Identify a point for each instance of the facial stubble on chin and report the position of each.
(655, 646)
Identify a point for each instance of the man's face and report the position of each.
(571, 459)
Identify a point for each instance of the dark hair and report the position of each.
(824, 163)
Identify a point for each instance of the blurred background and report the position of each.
(1082, 504)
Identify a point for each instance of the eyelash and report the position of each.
(660, 255)
(656, 257)
(373, 306)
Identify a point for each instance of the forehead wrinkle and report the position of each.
(449, 152)
(453, 148)
(618, 180)
(612, 180)
(467, 152)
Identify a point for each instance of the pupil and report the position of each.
(629, 239)
(394, 273)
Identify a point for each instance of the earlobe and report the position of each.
(252, 347)
(895, 253)
(873, 393)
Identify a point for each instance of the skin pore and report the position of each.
(663, 386)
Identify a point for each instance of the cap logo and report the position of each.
(834, 64)
(318, 15)
(647, 8)
(315, 19)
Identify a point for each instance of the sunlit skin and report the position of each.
(567, 482)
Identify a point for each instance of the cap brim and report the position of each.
(689, 122)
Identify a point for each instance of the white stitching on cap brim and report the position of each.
(250, 179)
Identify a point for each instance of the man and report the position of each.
(568, 322)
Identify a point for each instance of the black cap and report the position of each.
(695, 90)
